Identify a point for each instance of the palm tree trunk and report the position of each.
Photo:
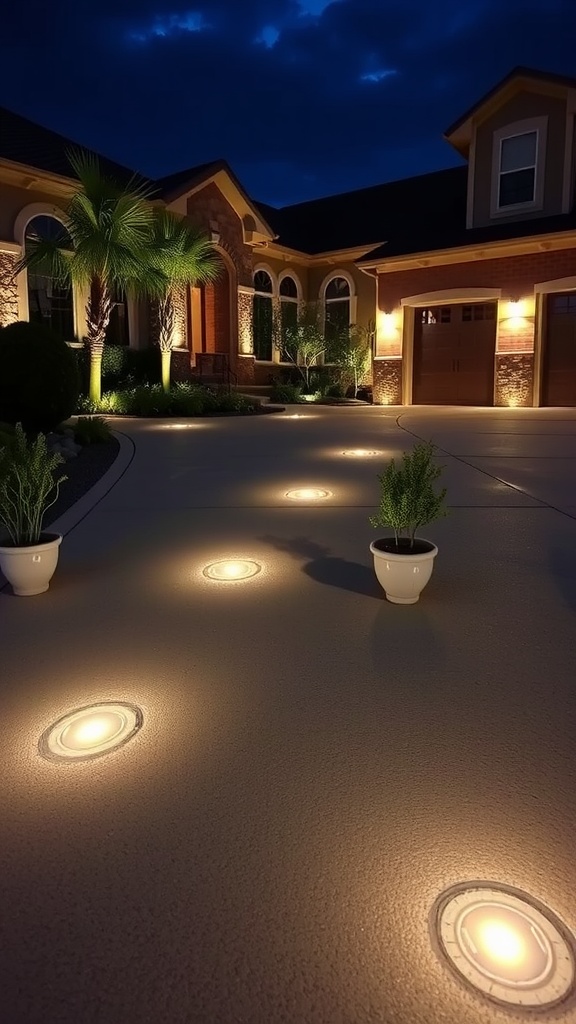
(166, 318)
(97, 317)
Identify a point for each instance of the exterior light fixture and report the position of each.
(231, 570)
(90, 732)
(178, 426)
(360, 453)
(505, 944)
(307, 494)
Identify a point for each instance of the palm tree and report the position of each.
(183, 256)
(110, 227)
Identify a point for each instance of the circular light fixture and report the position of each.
(361, 453)
(178, 426)
(307, 494)
(90, 732)
(232, 569)
(508, 946)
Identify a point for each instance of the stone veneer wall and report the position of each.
(514, 376)
(387, 382)
(8, 289)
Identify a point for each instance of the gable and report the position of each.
(218, 190)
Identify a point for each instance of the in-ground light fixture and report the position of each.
(505, 944)
(91, 731)
(232, 569)
(307, 494)
(361, 453)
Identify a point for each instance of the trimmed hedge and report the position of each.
(39, 380)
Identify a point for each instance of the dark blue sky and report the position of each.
(303, 97)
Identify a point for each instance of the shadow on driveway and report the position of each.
(562, 563)
(328, 569)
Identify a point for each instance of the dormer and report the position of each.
(520, 147)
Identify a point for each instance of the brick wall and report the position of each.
(387, 381)
(209, 206)
(8, 289)
(515, 277)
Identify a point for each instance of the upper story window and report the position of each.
(337, 301)
(518, 161)
(518, 156)
(49, 302)
(263, 316)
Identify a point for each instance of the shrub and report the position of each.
(39, 380)
(334, 391)
(28, 486)
(92, 430)
(408, 499)
(181, 400)
(288, 394)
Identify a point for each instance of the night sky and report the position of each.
(303, 98)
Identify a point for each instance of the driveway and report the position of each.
(315, 765)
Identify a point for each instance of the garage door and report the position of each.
(559, 378)
(454, 354)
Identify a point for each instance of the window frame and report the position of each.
(70, 308)
(259, 295)
(293, 301)
(539, 127)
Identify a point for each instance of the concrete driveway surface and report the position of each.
(315, 765)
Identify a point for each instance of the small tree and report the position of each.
(305, 344)
(110, 227)
(184, 256)
(28, 486)
(350, 351)
(408, 499)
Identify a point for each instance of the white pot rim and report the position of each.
(393, 556)
(55, 539)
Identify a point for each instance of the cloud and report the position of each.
(163, 26)
(302, 97)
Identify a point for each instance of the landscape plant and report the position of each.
(408, 498)
(29, 486)
(305, 345)
(92, 430)
(183, 256)
(110, 226)
(39, 379)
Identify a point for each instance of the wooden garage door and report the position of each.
(454, 354)
(559, 378)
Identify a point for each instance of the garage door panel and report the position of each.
(454, 355)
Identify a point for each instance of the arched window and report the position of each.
(288, 309)
(337, 302)
(49, 303)
(263, 316)
(117, 330)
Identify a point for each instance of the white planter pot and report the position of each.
(403, 576)
(30, 569)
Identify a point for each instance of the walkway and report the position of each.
(315, 764)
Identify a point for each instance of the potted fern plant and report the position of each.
(403, 563)
(28, 488)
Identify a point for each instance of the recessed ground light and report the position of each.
(178, 426)
(90, 732)
(307, 494)
(361, 453)
(508, 946)
(232, 569)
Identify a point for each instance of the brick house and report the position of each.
(469, 273)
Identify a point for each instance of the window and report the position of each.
(337, 315)
(49, 303)
(479, 311)
(263, 316)
(564, 305)
(518, 155)
(436, 315)
(288, 310)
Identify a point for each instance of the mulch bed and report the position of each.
(82, 472)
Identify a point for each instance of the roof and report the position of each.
(175, 184)
(455, 235)
(25, 142)
(517, 72)
(369, 216)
